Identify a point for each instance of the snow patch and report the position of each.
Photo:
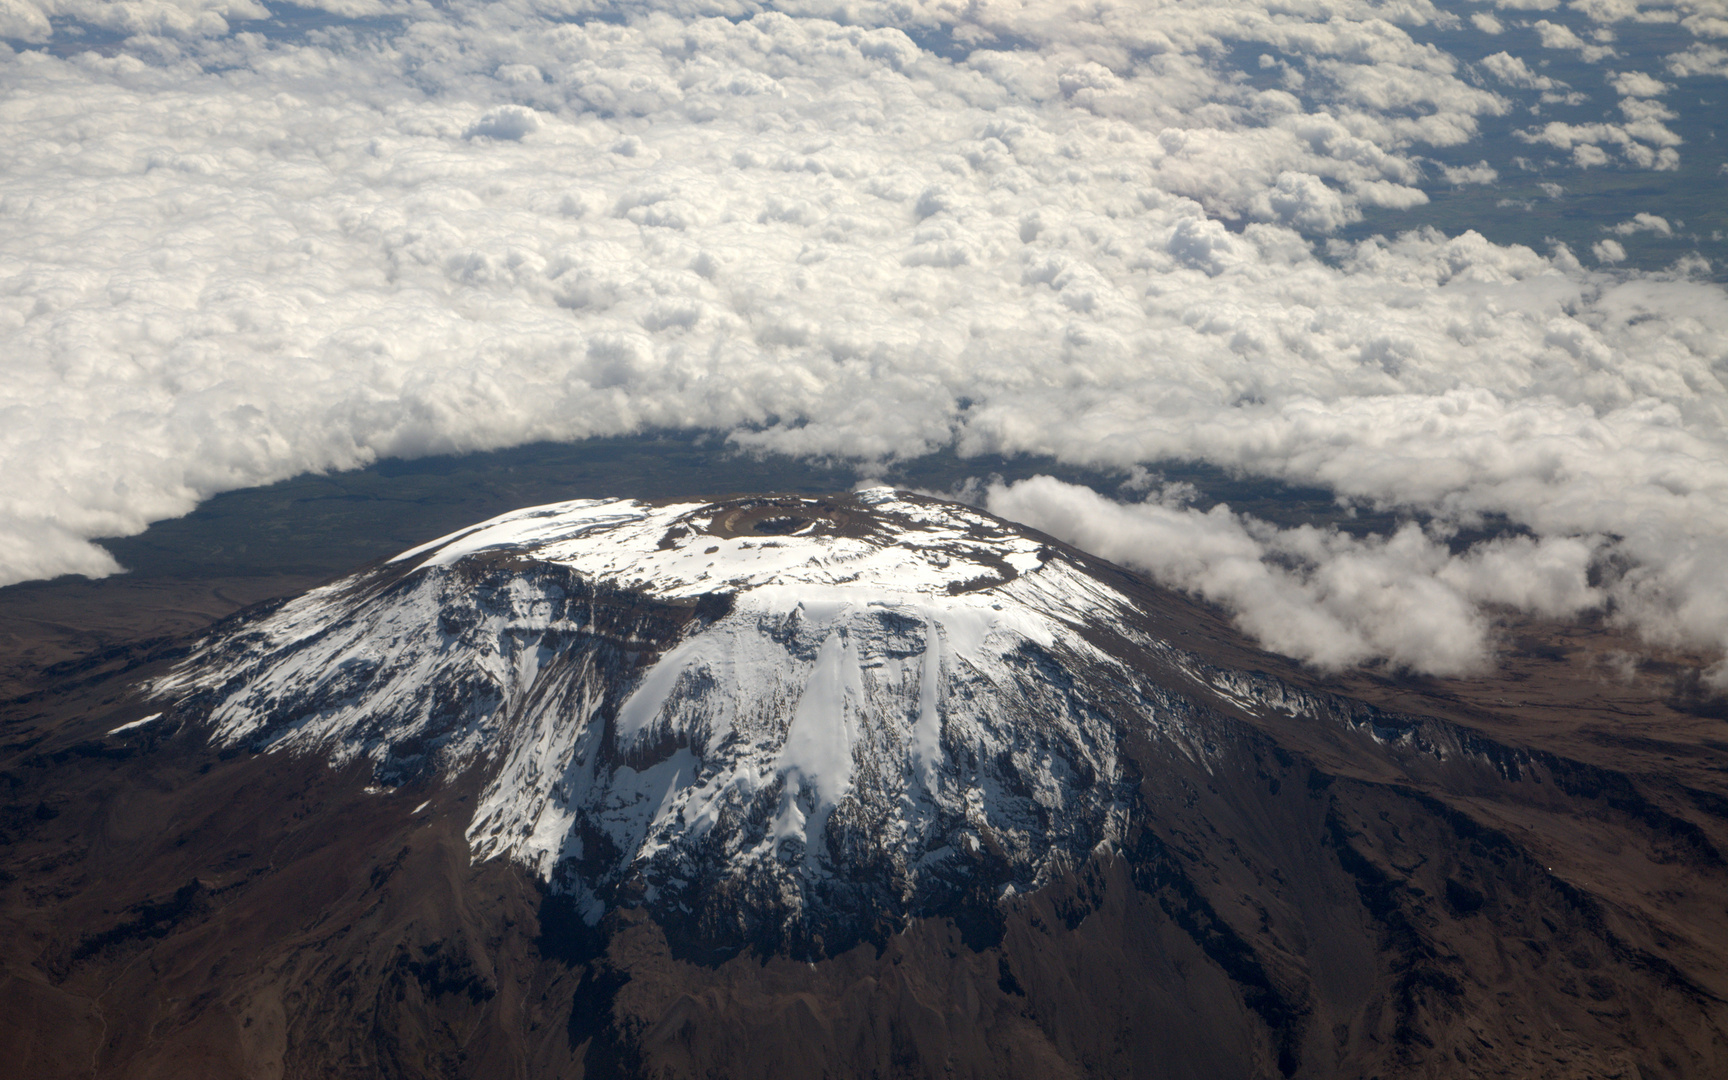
(136, 724)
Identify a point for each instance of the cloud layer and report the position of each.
(1317, 594)
(863, 230)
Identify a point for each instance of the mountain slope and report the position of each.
(791, 721)
(869, 784)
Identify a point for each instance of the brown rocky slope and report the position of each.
(1544, 896)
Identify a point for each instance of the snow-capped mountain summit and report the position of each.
(790, 720)
(1085, 828)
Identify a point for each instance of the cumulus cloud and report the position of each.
(1645, 141)
(505, 122)
(1479, 173)
(1559, 36)
(1608, 251)
(29, 20)
(1318, 594)
(1644, 222)
(33, 20)
(1638, 84)
(235, 258)
(1513, 71)
(1605, 11)
(1699, 60)
(1639, 111)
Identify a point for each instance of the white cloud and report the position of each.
(1479, 173)
(1513, 71)
(1713, 23)
(227, 262)
(1605, 11)
(1560, 36)
(1608, 251)
(1486, 23)
(513, 122)
(1638, 84)
(1557, 35)
(1303, 200)
(361, 9)
(28, 20)
(1639, 110)
(24, 22)
(1320, 595)
(1634, 138)
(1699, 60)
(1644, 222)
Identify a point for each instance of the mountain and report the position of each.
(868, 784)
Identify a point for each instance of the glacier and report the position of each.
(782, 719)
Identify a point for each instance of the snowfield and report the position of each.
(785, 716)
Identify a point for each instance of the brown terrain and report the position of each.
(1540, 894)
